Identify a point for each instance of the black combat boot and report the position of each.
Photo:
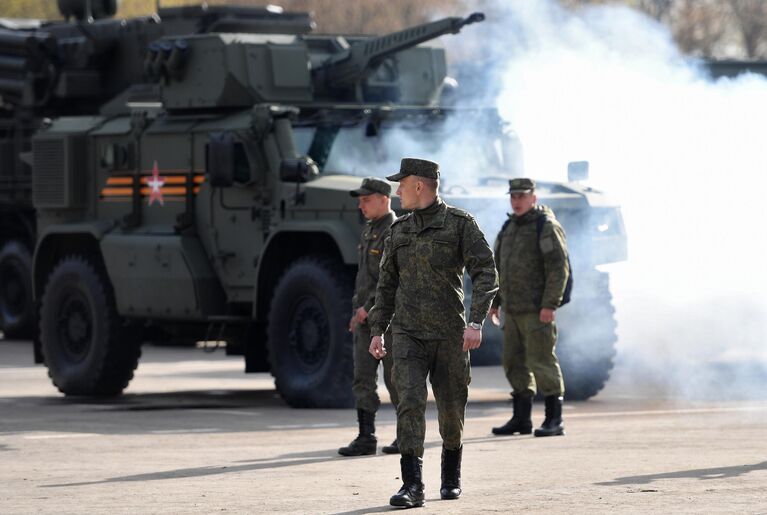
(391, 449)
(451, 473)
(366, 440)
(552, 424)
(520, 421)
(411, 493)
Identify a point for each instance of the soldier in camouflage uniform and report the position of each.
(531, 255)
(374, 197)
(421, 284)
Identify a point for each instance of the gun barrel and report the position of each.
(12, 64)
(11, 86)
(348, 67)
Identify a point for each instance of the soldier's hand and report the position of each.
(547, 315)
(472, 338)
(494, 317)
(359, 317)
(377, 347)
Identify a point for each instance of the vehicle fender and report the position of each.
(60, 238)
(292, 240)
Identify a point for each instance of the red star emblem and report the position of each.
(155, 184)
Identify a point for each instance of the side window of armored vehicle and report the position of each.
(241, 164)
(117, 156)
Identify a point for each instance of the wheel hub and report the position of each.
(75, 326)
(310, 333)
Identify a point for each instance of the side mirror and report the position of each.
(303, 169)
(577, 171)
(221, 159)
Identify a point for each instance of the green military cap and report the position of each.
(521, 185)
(419, 167)
(372, 185)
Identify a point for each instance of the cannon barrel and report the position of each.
(350, 66)
(12, 64)
(22, 43)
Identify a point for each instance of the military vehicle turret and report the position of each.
(209, 201)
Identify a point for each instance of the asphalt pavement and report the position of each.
(194, 434)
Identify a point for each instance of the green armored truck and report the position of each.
(76, 67)
(209, 201)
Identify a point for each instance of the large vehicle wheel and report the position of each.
(310, 348)
(17, 313)
(86, 346)
(587, 337)
(586, 345)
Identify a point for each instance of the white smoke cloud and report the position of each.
(685, 157)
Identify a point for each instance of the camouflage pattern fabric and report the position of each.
(450, 374)
(529, 358)
(365, 385)
(533, 270)
(421, 280)
(421, 276)
(370, 252)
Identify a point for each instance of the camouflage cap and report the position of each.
(521, 185)
(419, 167)
(371, 185)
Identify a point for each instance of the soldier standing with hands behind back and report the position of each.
(421, 285)
(533, 267)
(374, 200)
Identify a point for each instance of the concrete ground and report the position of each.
(193, 434)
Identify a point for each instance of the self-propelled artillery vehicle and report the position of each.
(209, 201)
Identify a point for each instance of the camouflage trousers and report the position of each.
(365, 385)
(447, 366)
(529, 359)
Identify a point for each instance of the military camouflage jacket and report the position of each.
(370, 253)
(422, 270)
(533, 270)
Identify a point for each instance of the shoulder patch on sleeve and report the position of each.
(547, 245)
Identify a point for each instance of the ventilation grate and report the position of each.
(49, 176)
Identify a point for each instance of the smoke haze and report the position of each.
(685, 157)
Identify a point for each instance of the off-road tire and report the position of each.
(586, 342)
(309, 346)
(17, 312)
(587, 336)
(86, 346)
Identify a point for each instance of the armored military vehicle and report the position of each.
(208, 199)
(81, 66)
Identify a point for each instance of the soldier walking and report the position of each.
(374, 198)
(421, 285)
(533, 267)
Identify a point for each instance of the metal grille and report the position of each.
(49, 177)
